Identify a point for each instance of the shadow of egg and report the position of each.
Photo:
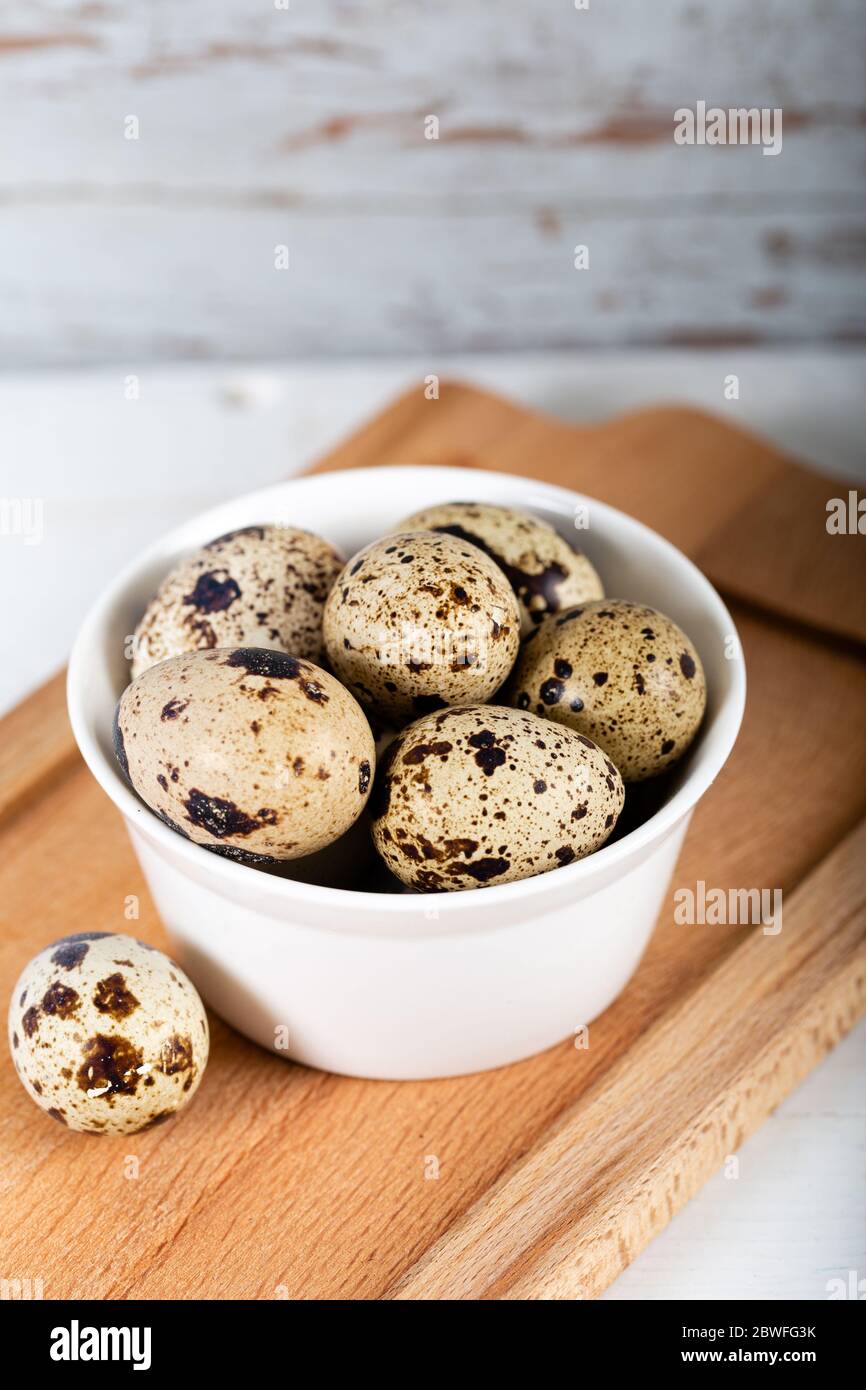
(346, 863)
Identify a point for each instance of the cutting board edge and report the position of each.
(818, 1023)
(455, 390)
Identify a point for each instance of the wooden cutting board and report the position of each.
(551, 1175)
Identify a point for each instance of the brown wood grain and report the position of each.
(753, 519)
(573, 1214)
(36, 744)
(280, 1180)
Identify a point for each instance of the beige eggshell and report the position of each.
(248, 751)
(621, 673)
(107, 1034)
(262, 586)
(542, 568)
(473, 797)
(418, 621)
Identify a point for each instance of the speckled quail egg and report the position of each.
(544, 571)
(262, 586)
(621, 673)
(483, 795)
(107, 1034)
(248, 751)
(418, 621)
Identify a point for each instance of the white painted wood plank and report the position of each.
(151, 285)
(306, 126)
(330, 99)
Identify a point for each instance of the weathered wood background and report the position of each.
(305, 127)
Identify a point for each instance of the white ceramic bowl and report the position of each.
(393, 985)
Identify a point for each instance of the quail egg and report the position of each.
(262, 586)
(107, 1034)
(621, 673)
(418, 621)
(482, 795)
(544, 571)
(249, 751)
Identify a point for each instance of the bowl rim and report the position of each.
(579, 874)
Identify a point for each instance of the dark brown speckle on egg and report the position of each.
(473, 797)
(262, 760)
(109, 1042)
(421, 623)
(544, 571)
(256, 587)
(628, 678)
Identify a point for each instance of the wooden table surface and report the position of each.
(555, 1172)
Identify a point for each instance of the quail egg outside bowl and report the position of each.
(402, 985)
